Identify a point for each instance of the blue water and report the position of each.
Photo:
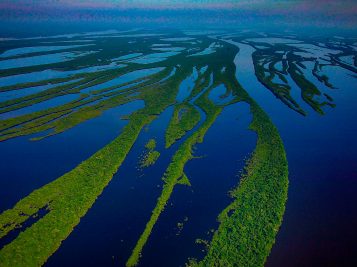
(27, 165)
(160, 45)
(178, 39)
(274, 40)
(154, 57)
(207, 51)
(186, 86)
(172, 73)
(203, 69)
(119, 215)
(217, 95)
(51, 74)
(37, 49)
(128, 56)
(82, 34)
(148, 60)
(125, 78)
(320, 218)
(40, 60)
(53, 102)
(169, 49)
(32, 76)
(139, 35)
(8, 95)
(319, 223)
(116, 226)
(211, 175)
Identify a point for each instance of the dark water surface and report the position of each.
(320, 218)
(212, 175)
(27, 165)
(319, 226)
(111, 228)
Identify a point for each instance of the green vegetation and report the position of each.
(184, 118)
(321, 77)
(149, 159)
(150, 156)
(68, 115)
(151, 144)
(261, 195)
(280, 90)
(68, 198)
(184, 180)
(275, 80)
(174, 172)
(308, 89)
(248, 226)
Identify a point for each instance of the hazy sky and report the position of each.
(319, 12)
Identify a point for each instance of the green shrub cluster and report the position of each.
(184, 118)
(151, 155)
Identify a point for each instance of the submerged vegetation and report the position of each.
(148, 70)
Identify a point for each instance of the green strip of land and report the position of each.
(184, 118)
(248, 226)
(174, 172)
(68, 198)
